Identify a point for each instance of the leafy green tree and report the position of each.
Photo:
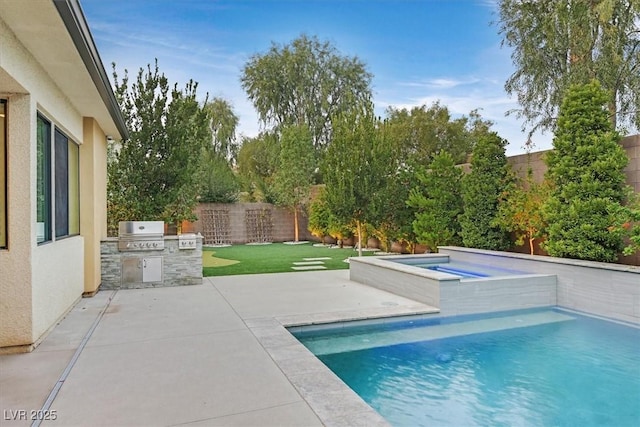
(557, 43)
(481, 190)
(423, 132)
(258, 160)
(339, 230)
(305, 82)
(628, 222)
(586, 168)
(154, 174)
(353, 168)
(388, 212)
(631, 223)
(223, 123)
(294, 176)
(219, 183)
(438, 203)
(520, 210)
(319, 216)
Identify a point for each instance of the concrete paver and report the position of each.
(281, 294)
(172, 380)
(215, 354)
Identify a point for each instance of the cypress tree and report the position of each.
(586, 169)
(481, 190)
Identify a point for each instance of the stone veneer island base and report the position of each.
(170, 266)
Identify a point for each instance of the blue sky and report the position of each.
(419, 51)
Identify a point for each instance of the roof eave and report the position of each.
(74, 19)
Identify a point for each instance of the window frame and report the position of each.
(43, 172)
(63, 186)
(4, 178)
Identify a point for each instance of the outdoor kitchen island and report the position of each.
(143, 257)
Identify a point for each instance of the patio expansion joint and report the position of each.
(65, 374)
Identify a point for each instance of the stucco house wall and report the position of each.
(42, 71)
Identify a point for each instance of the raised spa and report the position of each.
(455, 286)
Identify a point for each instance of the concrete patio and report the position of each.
(215, 354)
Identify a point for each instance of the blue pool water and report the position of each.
(530, 368)
(457, 271)
(464, 269)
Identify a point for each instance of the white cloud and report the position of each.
(441, 83)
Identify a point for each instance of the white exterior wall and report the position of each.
(58, 281)
(48, 278)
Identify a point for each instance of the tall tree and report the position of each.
(388, 211)
(223, 123)
(481, 189)
(258, 160)
(353, 168)
(438, 203)
(305, 82)
(586, 169)
(294, 176)
(557, 43)
(218, 182)
(154, 174)
(319, 216)
(424, 131)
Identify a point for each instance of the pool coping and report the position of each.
(329, 397)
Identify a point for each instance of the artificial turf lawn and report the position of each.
(273, 258)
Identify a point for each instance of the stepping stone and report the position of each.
(308, 263)
(310, 267)
(317, 259)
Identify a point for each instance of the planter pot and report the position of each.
(328, 240)
(396, 247)
(188, 227)
(170, 229)
(373, 243)
(420, 249)
(401, 248)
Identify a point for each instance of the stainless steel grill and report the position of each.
(140, 236)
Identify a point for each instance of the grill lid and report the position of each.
(140, 229)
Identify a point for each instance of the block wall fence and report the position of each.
(239, 226)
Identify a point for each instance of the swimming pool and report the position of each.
(533, 367)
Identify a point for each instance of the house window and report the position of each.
(3, 173)
(58, 190)
(43, 187)
(67, 200)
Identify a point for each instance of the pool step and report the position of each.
(361, 341)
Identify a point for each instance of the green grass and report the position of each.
(273, 258)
